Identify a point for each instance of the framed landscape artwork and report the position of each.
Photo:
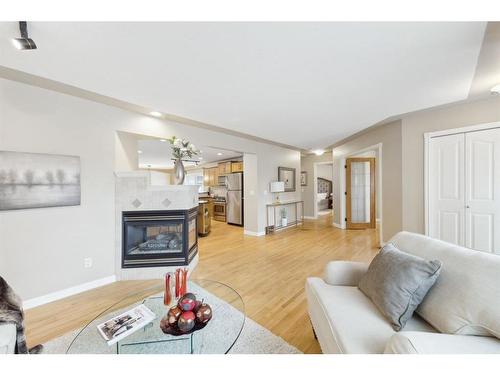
(30, 180)
(287, 175)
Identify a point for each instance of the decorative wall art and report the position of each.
(303, 178)
(29, 180)
(287, 175)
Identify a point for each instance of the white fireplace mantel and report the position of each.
(134, 192)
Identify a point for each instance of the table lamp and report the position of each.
(277, 187)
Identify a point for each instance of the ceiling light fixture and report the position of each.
(139, 151)
(319, 152)
(219, 154)
(200, 158)
(24, 42)
(155, 114)
(495, 89)
(163, 140)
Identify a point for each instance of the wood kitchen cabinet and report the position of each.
(211, 176)
(224, 168)
(237, 166)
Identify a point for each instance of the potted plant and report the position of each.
(181, 149)
(284, 219)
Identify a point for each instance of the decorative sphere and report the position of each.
(204, 313)
(186, 321)
(164, 323)
(187, 302)
(173, 315)
(197, 305)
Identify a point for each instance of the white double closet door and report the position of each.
(464, 189)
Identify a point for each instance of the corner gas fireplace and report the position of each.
(159, 238)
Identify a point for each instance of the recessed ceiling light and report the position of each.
(163, 140)
(319, 152)
(139, 151)
(495, 89)
(155, 114)
(200, 158)
(219, 154)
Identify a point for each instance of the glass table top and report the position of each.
(217, 337)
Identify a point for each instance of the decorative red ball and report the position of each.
(186, 321)
(173, 315)
(186, 303)
(204, 313)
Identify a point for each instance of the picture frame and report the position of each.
(287, 175)
(33, 180)
(303, 178)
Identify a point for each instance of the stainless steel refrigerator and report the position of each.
(234, 185)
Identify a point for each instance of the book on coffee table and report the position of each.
(123, 325)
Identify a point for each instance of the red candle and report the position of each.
(184, 281)
(177, 283)
(167, 298)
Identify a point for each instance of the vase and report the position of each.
(179, 172)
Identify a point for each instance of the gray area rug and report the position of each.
(254, 339)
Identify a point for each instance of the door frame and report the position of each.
(442, 133)
(372, 223)
(341, 188)
(315, 184)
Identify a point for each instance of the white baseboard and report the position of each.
(337, 225)
(309, 217)
(42, 300)
(256, 234)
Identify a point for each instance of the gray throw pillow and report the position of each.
(397, 282)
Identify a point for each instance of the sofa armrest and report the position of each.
(412, 342)
(7, 338)
(344, 273)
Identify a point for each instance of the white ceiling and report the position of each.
(156, 154)
(302, 84)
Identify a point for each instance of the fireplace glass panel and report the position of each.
(151, 237)
(192, 235)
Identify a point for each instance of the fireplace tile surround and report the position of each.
(134, 193)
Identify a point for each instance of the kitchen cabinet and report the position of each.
(211, 176)
(224, 168)
(237, 166)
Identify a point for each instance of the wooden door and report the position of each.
(447, 188)
(360, 193)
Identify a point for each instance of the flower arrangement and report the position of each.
(182, 148)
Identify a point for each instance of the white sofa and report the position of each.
(465, 301)
(7, 338)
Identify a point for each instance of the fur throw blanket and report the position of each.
(11, 311)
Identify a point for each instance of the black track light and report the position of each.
(24, 42)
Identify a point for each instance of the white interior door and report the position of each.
(446, 188)
(482, 213)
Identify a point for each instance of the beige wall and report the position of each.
(43, 250)
(389, 135)
(307, 165)
(414, 127)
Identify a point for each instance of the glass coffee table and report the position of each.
(217, 337)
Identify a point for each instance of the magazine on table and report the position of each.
(125, 324)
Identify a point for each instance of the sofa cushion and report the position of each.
(397, 282)
(440, 343)
(346, 321)
(466, 297)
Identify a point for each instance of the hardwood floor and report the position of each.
(269, 273)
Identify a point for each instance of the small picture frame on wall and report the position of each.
(287, 175)
(303, 178)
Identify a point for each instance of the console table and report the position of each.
(273, 206)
